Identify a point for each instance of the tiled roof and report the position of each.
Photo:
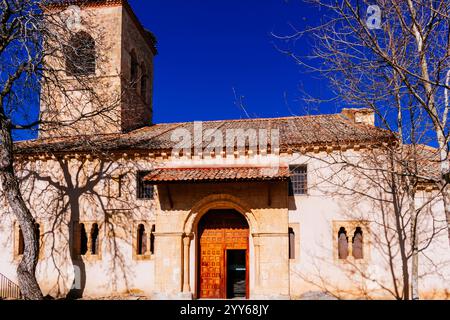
(217, 174)
(294, 132)
(63, 3)
(82, 3)
(423, 161)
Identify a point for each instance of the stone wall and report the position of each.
(136, 107)
(264, 205)
(62, 192)
(103, 102)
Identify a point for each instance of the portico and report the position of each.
(204, 226)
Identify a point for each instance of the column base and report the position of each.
(186, 296)
(270, 297)
(173, 296)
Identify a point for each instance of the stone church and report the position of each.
(249, 209)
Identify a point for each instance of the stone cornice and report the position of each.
(163, 154)
(50, 4)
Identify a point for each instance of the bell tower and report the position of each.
(104, 62)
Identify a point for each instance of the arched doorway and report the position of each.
(223, 241)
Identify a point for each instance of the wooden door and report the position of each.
(219, 231)
(212, 264)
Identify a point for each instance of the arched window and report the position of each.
(94, 239)
(358, 244)
(21, 244)
(291, 243)
(83, 240)
(37, 233)
(134, 70)
(152, 240)
(342, 243)
(141, 240)
(80, 55)
(21, 241)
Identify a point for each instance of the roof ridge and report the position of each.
(222, 166)
(250, 119)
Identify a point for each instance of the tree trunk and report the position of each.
(445, 170)
(26, 270)
(446, 199)
(433, 111)
(399, 229)
(414, 248)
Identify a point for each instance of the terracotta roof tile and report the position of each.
(64, 3)
(294, 132)
(162, 175)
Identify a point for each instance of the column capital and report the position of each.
(187, 237)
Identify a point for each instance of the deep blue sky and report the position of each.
(207, 48)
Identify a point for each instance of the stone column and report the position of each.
(257, 259)
(148, 241)
(88, 229)
(186, 262)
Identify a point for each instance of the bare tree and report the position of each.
(393, 59)
(38, 51)
(402, 60)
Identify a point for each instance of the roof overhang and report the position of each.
(218, 174)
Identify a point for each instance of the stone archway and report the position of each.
(219, 201)
(190, 228)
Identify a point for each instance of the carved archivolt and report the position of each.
(219, 201)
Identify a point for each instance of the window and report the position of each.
(83, 240)
(152, 240)
(94, 239)
(21, 246)
(21, 241)
(80, 55)
(86, 240)
(350, 241)
(37, 234)
(144, 188)
(134, 70)
(291, 244)
(342, 244)
(141, 240)
(357, 249)
(299, 180)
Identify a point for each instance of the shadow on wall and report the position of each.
(371, 255)
(258, 195)
(87, 212)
